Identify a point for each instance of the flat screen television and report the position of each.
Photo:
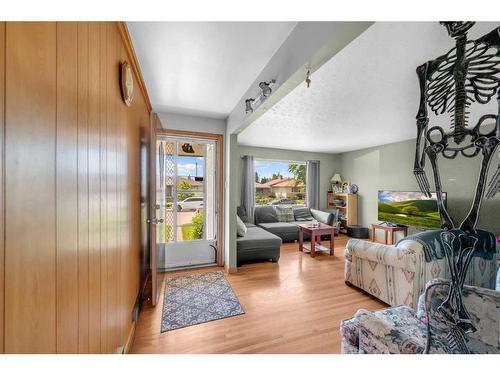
(410, 208)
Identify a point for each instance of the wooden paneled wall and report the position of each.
(2, 184)
(70, 155)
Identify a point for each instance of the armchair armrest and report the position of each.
(391, 331)
(408, 255)
(323, 217)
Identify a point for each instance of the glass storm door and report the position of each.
(185, 202)
(155, 223)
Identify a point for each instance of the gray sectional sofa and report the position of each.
(272, 227)
(267, 218)
(257, 244)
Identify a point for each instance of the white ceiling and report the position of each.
(203, 68)
(366, 95)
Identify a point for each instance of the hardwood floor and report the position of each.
(293, 306)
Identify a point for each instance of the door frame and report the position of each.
(154, 125)
(219, 139)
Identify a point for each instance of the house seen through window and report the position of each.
(280, 182)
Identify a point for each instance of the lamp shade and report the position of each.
(336, 178)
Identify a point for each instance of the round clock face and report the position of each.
(127, 83)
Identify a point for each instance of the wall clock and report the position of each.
(126, 83)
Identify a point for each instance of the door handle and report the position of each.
(155, 221)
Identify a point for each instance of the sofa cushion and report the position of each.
(257, 238)
(280, 228)
(302, 214)
(265, 214)
(302, 222)
(241, 229)
(284, 214)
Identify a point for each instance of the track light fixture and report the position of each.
(248, 105)
(265, 92)
(265, 87)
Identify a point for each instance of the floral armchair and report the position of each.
(398, 330)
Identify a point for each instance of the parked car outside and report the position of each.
(192, 203)
(282, 201)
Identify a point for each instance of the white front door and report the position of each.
(186, 202)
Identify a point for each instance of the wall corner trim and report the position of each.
(230, 270)
(129, 48)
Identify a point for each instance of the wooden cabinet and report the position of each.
(347, 204)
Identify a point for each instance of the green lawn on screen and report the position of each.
(419, 213)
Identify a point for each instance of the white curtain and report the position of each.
(248, 187)
(312, 184)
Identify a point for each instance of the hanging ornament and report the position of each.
(308, 80)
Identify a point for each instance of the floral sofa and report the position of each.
(398, 330)
(398, 274)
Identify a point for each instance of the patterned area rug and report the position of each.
(196, 299)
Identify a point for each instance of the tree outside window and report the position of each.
(279, 182)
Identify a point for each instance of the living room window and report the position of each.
(280, 182)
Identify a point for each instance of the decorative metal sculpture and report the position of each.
(468, 73)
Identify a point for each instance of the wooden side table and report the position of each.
(389, 232)
(316, 233)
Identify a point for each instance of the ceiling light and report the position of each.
(248, 105)
(187, 148)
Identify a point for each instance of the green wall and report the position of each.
(390, 167)
(386, 167)
(328, 165)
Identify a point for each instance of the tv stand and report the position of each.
(389, 231)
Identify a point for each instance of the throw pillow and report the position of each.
(242, 213)
(302, 214)
(285, 214)
(265, 214)
(241, 229)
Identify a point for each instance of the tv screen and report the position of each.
(409, 208)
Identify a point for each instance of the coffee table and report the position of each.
(316, 233)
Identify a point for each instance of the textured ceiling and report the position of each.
(366, 95)
(203, 68)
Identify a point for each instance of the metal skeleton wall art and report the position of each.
(469, 73)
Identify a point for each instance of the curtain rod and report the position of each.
(279, 160)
